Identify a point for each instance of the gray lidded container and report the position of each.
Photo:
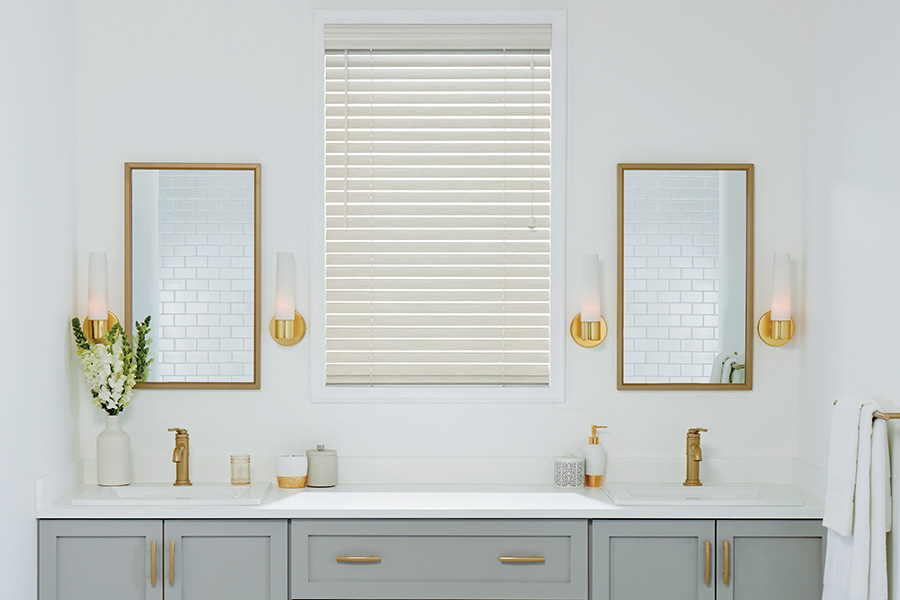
(322, 467)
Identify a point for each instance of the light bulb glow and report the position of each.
(98, 304)
(781, 287)
(590, 288)
(284, 287)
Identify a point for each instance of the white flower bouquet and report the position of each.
(113, 368)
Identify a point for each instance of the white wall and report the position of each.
(851, 213)
(38, 404)
(649, 81)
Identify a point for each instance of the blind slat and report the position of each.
(402, 322)
(462, 381)
(436, 59)
(437, 37)
(425, 345)
(434, 211)
(447, 333)
(363, 296)
(505, 88)
(436, 370)
(509, 283)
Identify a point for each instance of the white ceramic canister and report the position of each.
(322, 467)
(291, 471)
(568, 471)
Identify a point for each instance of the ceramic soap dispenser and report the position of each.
(594, 459)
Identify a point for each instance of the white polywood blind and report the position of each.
(437, 217)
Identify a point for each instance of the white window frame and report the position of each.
(555, 392)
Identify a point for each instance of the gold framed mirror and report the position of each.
(192, 262)
(685, 276)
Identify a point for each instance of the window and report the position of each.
(437, 226)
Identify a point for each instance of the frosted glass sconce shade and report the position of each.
(99, 320)
(98, 304)
(781, 287)
(590, 288)
(284, 286)
(287, 327)
(776, 327)
(588, 327)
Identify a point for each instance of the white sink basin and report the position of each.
(709, 494)
(165, 494)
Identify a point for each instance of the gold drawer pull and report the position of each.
(171, 563)
(727, 560)
(153, 563)
(706, 571)
(357, 559)
(521, 559)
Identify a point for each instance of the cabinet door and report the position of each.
(770, 559)
(226, 559)
(87, 560)
(643, 560)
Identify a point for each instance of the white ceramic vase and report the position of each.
(113, 454)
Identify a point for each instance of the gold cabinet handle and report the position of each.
(708, 545)
(521, 559)
(357, 559)
(727, 558)
(153, 563)
(171, 563)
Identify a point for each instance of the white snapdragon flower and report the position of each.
(104, 368)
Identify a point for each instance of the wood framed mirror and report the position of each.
(192, 262)
(685, 276)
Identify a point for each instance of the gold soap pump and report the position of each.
(594, 459)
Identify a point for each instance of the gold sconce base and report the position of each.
(589, 334)
(95, 331)
(287, 333)
(774, 333)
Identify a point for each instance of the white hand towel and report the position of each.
(881, 511)
(842, 459)
(856, 565)
(718, 363)
(728, 368)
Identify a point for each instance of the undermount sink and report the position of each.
(709, 494)
(165, 494)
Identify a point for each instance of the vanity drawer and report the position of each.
(439, 558)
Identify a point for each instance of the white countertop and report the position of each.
(430, 501)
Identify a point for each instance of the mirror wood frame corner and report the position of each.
(256, 169)
(748, 325)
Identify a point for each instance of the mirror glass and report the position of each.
(685, 276)
(192, 264)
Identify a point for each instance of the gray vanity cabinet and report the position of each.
(707, 559)
(90, 560)
(163, 560)
(770, 559)
(643, 560)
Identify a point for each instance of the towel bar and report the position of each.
(881, 415)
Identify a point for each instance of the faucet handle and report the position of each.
(696, 430)
(179, 430)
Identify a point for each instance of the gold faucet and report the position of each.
(181, 456)
(694, 456)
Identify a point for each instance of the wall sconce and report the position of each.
(588, 327)
(98, 320)
(287, 327)
(776, 327)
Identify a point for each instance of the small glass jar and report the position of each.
(240, 469)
